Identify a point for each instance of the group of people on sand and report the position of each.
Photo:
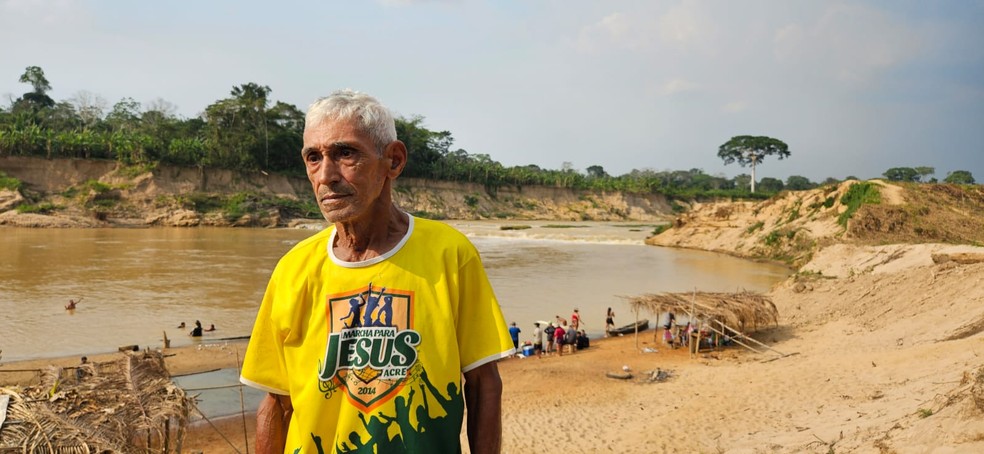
(197, 330)
(557, 336)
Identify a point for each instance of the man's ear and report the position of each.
(396, 152)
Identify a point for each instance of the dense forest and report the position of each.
(248, 131)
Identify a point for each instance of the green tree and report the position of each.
(722, 182)
(58, 117)
(34, 75)
(37, 98)
(158, 126)
(743, 181)
(596, 171)
(286, 123)
(124, 116)
(423, 158)
(901, 174)
(752, 150)
(237, 128)
(799, 183)
(253, 99)
(769, 184)
(923, 172)
(959, 177)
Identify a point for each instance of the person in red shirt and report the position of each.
(559, 338)
(575, 320)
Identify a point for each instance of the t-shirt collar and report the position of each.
(374, 260)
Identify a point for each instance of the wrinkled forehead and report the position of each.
(332, 125)
(337, 134)
(331, 130)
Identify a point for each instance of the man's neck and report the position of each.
(370, 236)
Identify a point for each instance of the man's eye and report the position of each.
(312, 157)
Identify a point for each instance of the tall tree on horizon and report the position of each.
(37, 98)
(237, 128)
(751, 150)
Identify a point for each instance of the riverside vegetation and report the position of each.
(82, 163)
(249, 132)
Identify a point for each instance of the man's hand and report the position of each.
(272, 422)
(483, 396)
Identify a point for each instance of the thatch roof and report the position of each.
(746, 311)
(120, 406)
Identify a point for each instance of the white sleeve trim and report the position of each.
(488, 359)
(253, 384)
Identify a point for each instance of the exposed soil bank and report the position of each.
(90, 193)
(792, 226)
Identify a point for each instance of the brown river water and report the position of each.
(136, 284)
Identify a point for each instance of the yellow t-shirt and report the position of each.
(371, 353)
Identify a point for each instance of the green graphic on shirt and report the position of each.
(431, 433)
(317, 443)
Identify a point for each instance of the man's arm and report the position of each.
(483, 396)
(272, 421)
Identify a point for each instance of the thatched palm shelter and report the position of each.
(736, 314)
(125, 406)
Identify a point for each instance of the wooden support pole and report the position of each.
(694, 342)
(659, 310)
(738, 341)
(749, 338)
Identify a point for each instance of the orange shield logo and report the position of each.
(371, 343)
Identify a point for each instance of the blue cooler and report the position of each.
(527, 350)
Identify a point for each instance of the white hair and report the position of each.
(371, 116)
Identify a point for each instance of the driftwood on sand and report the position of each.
(123, 406)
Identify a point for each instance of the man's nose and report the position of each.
(327, 172)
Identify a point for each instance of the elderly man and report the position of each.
(366, 328)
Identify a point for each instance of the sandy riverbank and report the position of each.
(554, 379)
(887, 355)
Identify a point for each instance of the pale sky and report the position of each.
(854, 87)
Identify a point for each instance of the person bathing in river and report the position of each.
(72, 303)
(197, 330)
(609, 321)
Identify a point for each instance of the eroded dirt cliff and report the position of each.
(90, 193)
(792, 226)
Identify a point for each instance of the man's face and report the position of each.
(347, 173)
